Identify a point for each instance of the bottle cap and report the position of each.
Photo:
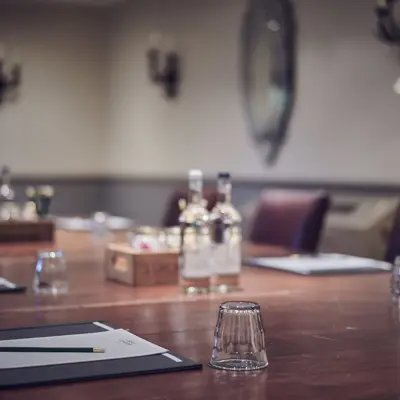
(224, 175)
(195, 173)
(46, 190)
(30, 191)
(182, 204)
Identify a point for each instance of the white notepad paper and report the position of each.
(321, 263)
(118, 343)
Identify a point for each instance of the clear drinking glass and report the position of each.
(173, 237)
(239, 338)
(147, 238)
(10, 211)
(99, 225)
(50, 273)
(395, 280)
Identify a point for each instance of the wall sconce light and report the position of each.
(166, 72)
(8, 81)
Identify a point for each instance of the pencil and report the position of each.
(51, 350)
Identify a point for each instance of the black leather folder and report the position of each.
(52, 374)
(10, 287)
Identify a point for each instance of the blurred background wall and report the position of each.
(58, 124)
(89, 117)
(56, 130)
(345, 122)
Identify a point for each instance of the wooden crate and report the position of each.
(134, 267)
(26, 231)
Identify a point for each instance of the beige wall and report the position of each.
(346, 121)
(204, 128)
(67, 121)
(58, 124)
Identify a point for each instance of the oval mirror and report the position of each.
(396, 12)
(268, 67)
(388, 23)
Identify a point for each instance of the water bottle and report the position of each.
(395, 281)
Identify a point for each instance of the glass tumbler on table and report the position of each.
(239, 338)
(50, 273)
(172, 237)
(147, 238)
(395, 280)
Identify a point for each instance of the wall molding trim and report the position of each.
(259, 183)
(253, 183)
(144, 198)
(57, 179)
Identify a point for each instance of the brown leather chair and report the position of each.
(290, 218)
(172, 212)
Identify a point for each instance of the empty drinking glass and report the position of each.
(173, 237)
(239, 338)
(50, 273)
(99, 225)
(148, 238)
(395, 281)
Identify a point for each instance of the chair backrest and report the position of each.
(172, 212)
(393, 244)
(290, 218)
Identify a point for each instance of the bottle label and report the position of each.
(195, 263)
(235, 256)
(219, 232)
(227, 259)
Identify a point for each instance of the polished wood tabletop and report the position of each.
(329, 337)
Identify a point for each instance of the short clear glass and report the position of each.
(395, 280)
(50, 273)
(148, 238)
(239, 338)
(173, 237)
(10, 211)
(99, 226)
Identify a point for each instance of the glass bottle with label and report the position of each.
(6, 190)
(226, 234)
(195, 272)
(8, 209)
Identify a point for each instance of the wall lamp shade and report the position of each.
(168, 75)
(9, 82)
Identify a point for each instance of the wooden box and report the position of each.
(26, 231)
(134, 267)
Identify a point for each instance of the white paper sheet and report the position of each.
(6, 283)
(117, 343)
(304, 264)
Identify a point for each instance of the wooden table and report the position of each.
(334, 337)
